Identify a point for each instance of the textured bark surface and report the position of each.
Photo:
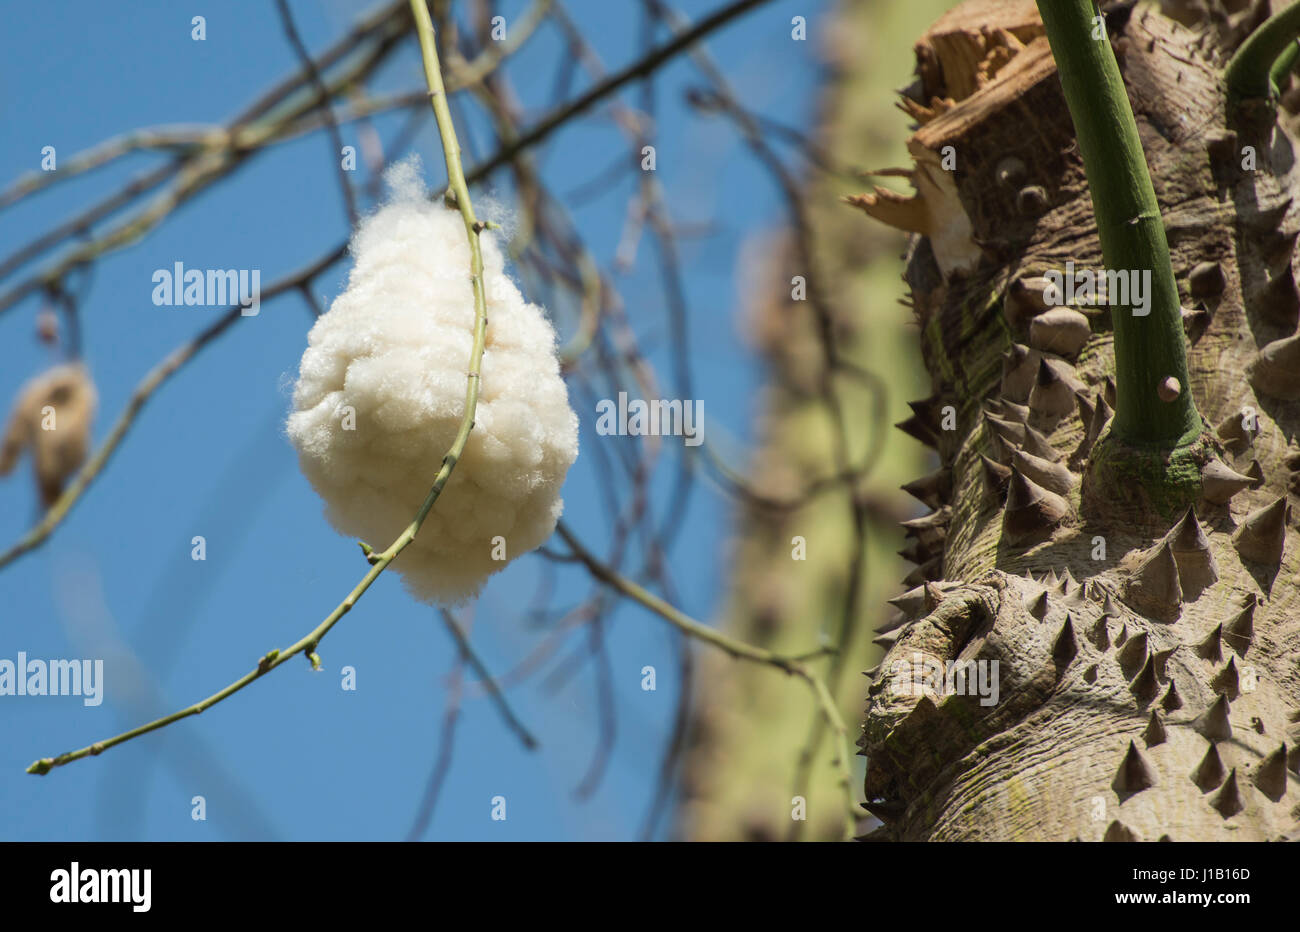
(1140, 697)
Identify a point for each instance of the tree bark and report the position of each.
(1147, 658)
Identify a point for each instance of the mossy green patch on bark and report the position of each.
(1145, 484)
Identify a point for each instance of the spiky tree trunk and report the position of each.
(1143, 610)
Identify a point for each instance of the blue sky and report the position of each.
(295, 756)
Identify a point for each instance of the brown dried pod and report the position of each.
(52, 418)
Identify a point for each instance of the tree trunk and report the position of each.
(750, 754)
(1147, 658)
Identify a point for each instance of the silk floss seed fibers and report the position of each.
(381, 393)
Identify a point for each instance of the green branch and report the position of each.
(380, 561)
(795, 666)
(1248, 75)
(1149, 349)
(1285, 62)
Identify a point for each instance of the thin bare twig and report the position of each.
(327, 108)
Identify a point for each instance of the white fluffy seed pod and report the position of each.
(381, 394)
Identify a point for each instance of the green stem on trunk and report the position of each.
(1149, 349)
(1282, 67)
(1248, 73)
